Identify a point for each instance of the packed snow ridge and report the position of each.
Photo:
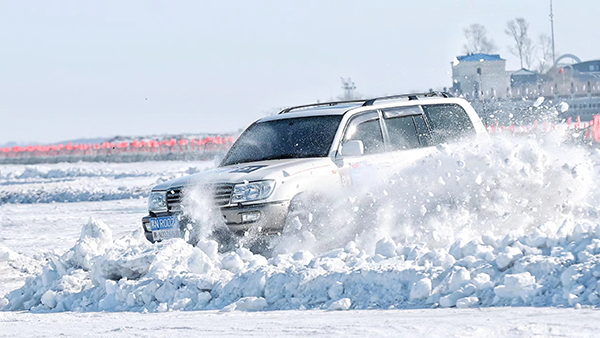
(78, 182)
(507, 223)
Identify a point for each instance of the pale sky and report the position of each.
(74, 69)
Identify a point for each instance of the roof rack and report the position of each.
(412, 96)
(369, 102)
(322, 104)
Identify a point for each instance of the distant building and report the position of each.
(484, 76)
(591, 68)
(474, 75)
(574, 80)
(522, 81)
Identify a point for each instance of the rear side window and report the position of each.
(402, 132)
(423, 131)
(406, 127)
(448, 122)
(366, 128)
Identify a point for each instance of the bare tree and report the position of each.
(523, 48)
(545, 47)
(529, 53)
(478, 40)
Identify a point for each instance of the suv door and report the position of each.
(375, 162)
(408, 135)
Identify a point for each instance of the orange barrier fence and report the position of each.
(206, 144)
(588, 131)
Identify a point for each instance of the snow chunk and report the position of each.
(251, 304)
(232, 261)
(459, 278)
(303, 256)
(539, 101)
(466, 302)
(7, 254)
(517, 285)
(340, 305)
(386, 247)
(507, 257)
(421, 289)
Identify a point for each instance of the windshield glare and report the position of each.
(287, 138)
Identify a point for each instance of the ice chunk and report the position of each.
(340, 305)
(459, 278)
(386, 247)
(517, 285)
(421, 289)
(232, 262)
(466, 302)
(563, 107)
(451, 299)
(209, 247)
(303, 256)
(507, 257)
(251, 304)
(539, 101)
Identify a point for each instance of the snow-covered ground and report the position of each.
(508, 227)
(463, 323)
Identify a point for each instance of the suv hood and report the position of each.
(253, 171)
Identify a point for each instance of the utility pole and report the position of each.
(552, 27)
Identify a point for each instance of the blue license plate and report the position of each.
(165, 222)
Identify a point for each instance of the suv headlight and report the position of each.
(253, 191)
(157, 201)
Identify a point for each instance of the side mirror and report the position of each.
(353, 148)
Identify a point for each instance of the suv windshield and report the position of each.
(286, 138)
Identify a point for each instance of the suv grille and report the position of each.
(221, 196)
(174, 199)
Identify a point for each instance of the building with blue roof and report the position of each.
(480, 76)
(478, 57)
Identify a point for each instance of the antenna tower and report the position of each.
(552, 27)
(348, 86)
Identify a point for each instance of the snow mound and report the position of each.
(558, 266)
(63, 171)
(7, 255)
(82, 182)
(69, 194)
(45, 172)
(15, 267)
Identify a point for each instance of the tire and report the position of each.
(300, 214)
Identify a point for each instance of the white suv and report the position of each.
(317, 147)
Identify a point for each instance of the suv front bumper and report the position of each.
(267, 218)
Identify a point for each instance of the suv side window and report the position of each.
(448, 122)
(366, 127)
(423, 131)
(406, 127)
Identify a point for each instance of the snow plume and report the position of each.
(459, 192)
(204, 219)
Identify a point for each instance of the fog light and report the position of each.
(250, 216)
(147, 227)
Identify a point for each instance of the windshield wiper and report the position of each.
(273, 157)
